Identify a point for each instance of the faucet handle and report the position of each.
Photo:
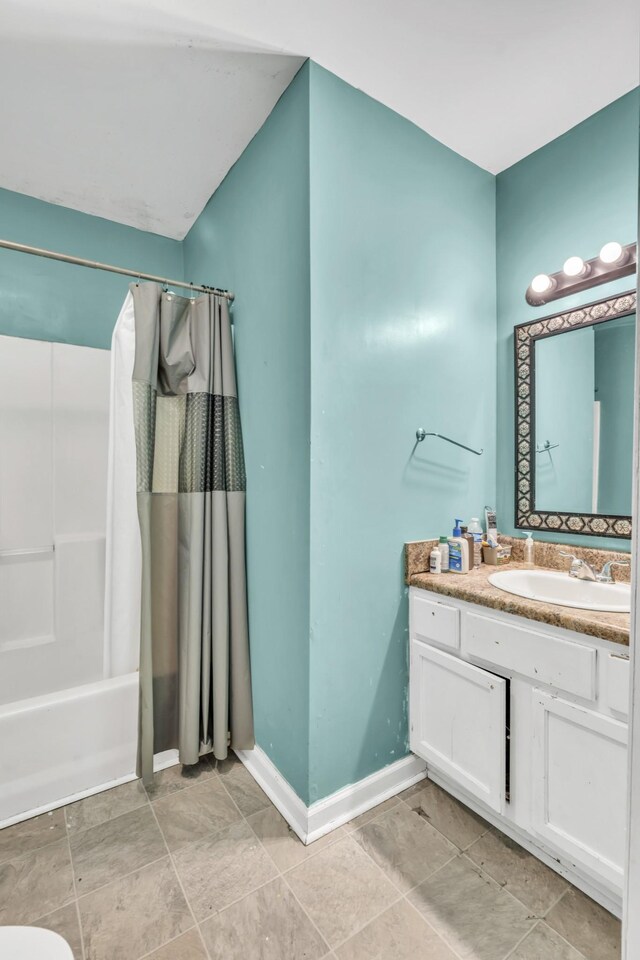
(605, 574)
(575, 563)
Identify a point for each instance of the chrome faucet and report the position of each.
(579, 569)
(582, 570)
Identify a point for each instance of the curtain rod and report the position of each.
(95, 265)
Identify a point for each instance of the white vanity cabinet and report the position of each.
(526, 724)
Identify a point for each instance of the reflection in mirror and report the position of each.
(584, 418)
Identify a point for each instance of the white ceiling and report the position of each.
(136, 109)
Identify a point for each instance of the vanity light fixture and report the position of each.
(615, 260)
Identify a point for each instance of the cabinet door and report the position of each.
(579, 783)
(458, 722)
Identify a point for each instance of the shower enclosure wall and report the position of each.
(66, 726)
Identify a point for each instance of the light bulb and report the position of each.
(611, 252)
(574, 266)
(541, 283)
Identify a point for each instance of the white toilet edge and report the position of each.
(20, 943)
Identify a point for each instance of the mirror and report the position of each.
(584, 418)
(574, 412)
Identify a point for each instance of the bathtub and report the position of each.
(66, 745)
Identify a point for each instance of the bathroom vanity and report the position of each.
(520, 710)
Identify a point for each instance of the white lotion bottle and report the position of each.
(458, 551)
(435, 561)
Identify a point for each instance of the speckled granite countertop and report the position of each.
(474, 587)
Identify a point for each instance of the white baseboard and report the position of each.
(281, 793)
(349, 802)
(311, 823)
(168, 758)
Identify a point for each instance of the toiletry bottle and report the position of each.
(435, 561)
(476, 531)
(469, 538)
(491, 522)
(458, 551)
(444, 554)
(529, 551)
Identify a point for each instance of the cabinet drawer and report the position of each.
(434, 622)
(616, 683)
(549, 660)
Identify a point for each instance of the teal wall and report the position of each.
(342, 229)
(48, 300)
(254, 236)
(402, 336)
(614, 375)
(569, 197)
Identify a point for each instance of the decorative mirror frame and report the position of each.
(525, 337)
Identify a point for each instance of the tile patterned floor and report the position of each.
(203, 867)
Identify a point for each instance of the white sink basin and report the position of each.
(549, 587)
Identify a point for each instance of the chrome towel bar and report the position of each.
(421, 433)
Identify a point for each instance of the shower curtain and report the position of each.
(123, 566)
(195, 683)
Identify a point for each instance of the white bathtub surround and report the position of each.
(26, 441)
(80, 403)
(314, 821)
(64, 732)
(53, 437)
(65, 745)
(123, 550)
(105, 715)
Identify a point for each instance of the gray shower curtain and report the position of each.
(195, 682)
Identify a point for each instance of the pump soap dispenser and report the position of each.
(529, 551)
(458, 551)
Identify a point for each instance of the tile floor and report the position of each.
(203, 867)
